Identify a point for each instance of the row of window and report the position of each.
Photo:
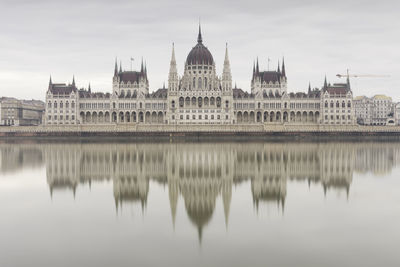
(61, 104)
(200, 117)
(243, 105)
(61, 117)
(200, 111)
(61, 111)
(332, 104)
(332, 117)
(337, 111)
(199, 102)
(200, 67)
(94, 105)
(122, 105)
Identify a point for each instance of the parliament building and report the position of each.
(200, 96)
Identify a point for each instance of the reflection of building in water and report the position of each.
(337, 165)
(14, 157)
(202, 172)
(63, 166)
(380, 159)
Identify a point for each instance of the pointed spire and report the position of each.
(279, 68)
(50, 82)
(173, 79)
(226, 53)
(73, 80)
(257, 68)
(173, 54)
(145, 69)
(283, 68)
(116, 68)
(89, 89)
(254, 69)
(141, 67)
(120, 66)
(199, 37)
(235, 86)
(325, 83)
(309, 88)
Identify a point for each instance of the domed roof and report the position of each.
(199, 54)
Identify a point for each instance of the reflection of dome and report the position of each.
(199, 55)
(199, 215)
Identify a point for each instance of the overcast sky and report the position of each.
(82, 38)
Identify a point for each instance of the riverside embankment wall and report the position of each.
(198, 130)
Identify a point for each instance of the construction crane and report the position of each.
(360, 75)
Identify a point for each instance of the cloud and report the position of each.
(62, 38)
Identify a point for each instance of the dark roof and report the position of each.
(269, 76)
(62, 88)
(337, 89)
(160, 93)
(86, 94)
(271, 95)
(239, 93)
(199, 54)
(131, 76)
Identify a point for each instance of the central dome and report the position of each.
(199, 55)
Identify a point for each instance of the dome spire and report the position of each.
(199, 38)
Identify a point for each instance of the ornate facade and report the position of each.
(200, 96)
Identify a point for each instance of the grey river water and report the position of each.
(200, 204)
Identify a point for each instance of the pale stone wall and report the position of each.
(238, 128)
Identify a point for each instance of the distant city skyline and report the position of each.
(66, 38)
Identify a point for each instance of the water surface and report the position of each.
(200, 204)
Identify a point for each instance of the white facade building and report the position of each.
(199, 96)
(373, 111)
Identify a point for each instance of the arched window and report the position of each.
(218, 102)
(199, 84)
(61, 104)
(326, 104)
(343, 104)
(200, 102)
(181, 100)
(67, 105)
(212, 101)
(49, 105)
(73, 104)
(194, 83)
(349, 104)
(187, 101)
(337, 104)
(205, 83)
(173, 104)
(227, 104)
(331, 104)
